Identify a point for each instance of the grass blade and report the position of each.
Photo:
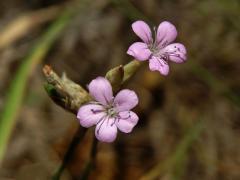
(16, 91)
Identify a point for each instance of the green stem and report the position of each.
(67, 157)
(91, 163)
(130, 69)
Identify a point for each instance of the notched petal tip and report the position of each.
(125, 100)
(176, 52)
(101, 90)
(142, 30)
(166, 33)
(89, 114)
(139, 51)
(127, 121)
(130, 52)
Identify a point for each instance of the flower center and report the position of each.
(157, 46)
(111, 112)
(153, 46)
(154, 49)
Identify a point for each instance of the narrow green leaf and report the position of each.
(15, 94)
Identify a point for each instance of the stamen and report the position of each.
(96, 111)
(148, 40)
(164, 44)
(102, 119)
(124, 118)
(94, 102)
(105, 98)
(164, 58)
(177, 55)
(155, 43)
(115, 119)
(111, 112)
(155, 32)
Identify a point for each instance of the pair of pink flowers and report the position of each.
(110, 113)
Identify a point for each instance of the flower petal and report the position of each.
(101, 90)
(90, 114)
(139, 51)
(158, 64)
(127, 121)
(143, 31)
(176, 52)
(106, 130)
(166, 33)
(125, 100)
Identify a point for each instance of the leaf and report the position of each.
(16, 91)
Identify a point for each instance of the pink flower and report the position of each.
(159, 50)
(108, 113)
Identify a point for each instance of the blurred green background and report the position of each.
(189, 124)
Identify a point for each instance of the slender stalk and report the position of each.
(70, 151)
(130, 69)
(91, 162)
